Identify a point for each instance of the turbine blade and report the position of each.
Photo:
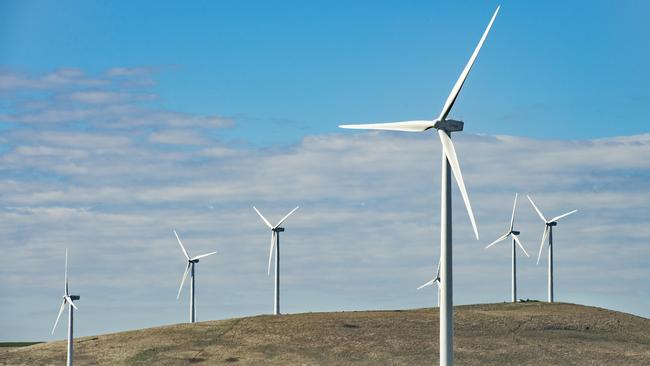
(66, 272)
(501, 238)
(180, 288)
(564, 215)
(520, 245)
(451, 99)
(407, 126)
(435, 280)
(69, 300)
(512, 218)
(427, 284)
(58, 316)
(263, 218)
(271, 251)
(285, 217)
(203, 255)
(181, 244)
(450, 152)
(541, 245)
(541, 216)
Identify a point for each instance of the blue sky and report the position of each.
(122, 120)
(286, 69)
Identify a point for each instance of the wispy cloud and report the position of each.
(56, 80)
(116, 98)
(177, 137)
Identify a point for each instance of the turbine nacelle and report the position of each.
(515, 232)
(278, 229)
(73, 297)
(552, 223)
(449, 125)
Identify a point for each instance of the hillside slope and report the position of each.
(492, 334)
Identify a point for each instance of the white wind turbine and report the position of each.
(436, 280)
(449, 162)
(548, 232)
(190, 268)
(275, 242)
(67, 299)
(515, 241)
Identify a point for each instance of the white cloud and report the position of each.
(106, 97)
(177, 137)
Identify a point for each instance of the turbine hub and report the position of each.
(449, 125)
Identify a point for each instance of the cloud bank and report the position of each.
(93, 163)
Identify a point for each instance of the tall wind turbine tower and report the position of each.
(68, 299)
(191, 262)
(515, 241)
(450, 165)
(275, 243)
(548, 232)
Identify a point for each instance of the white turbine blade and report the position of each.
(450, 152)
(512, 218)
(271, 251)
(541, 245)
(501, 238)
(541, 216)
(181, 244)
(69, 300)
(463, 76)
(263, 218)
(285, 217)
(203, 255)
(520, 245)
(66, 272)
(428, 283)
(407, 126)
(58, 316)
(564, 215)
(438, 272)
(180, 288)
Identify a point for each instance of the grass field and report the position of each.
(489, 334)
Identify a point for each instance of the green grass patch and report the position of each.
(17, 344)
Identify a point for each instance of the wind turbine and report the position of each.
(436, 280)
(449, 162)
(67, 299)
(275, 242)
(515, 239)
(548, 232)
(190, 268)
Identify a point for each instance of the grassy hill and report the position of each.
(492, 334)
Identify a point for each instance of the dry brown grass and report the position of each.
(492, 334)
